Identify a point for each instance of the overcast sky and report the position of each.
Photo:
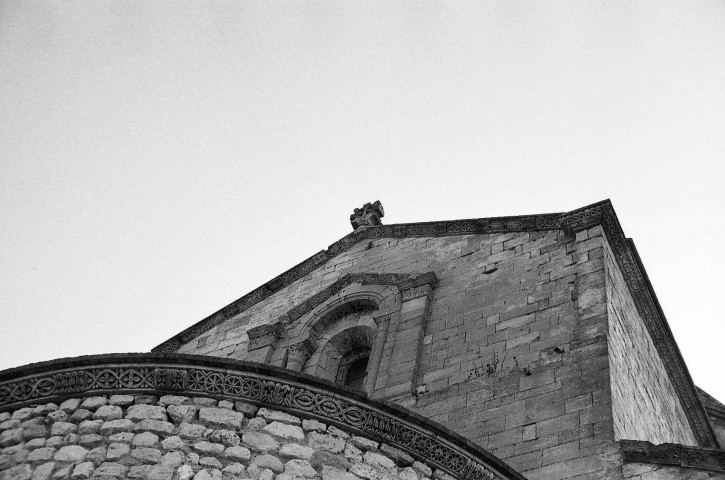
(159, 160)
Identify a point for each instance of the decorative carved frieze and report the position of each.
(671, 454)
(265, 336)
(234, 380)
(367, 216)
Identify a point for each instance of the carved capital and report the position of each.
(298, 354)
(265, 336)
(422, 285)
(367, 216)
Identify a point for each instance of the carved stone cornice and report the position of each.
(674, 455)
(265, 336)
(298, 394)
(420, 286)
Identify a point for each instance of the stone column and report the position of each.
(298, 354)
(262, 342)
(376, 354)
(409, 333)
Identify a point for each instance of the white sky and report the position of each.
(158, 160)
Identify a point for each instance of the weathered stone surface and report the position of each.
(121, 400)
(93, 403)
(45, 409)
(146, 455)
(208, 474)
(285, 431)
(221, 417)
(238, 454)
(208, 448)
(320, 441)
(116, 426)
(81, 415)
(158, 427)
(97, 455)
(145, 399)
(44, 471)
(108, 412)
(331, 473)
(300, 468)
(35, 443)
(333, 430)
(226, 404)
(11, 437)
(117, 451)
(89, 426)
(210, 462)
(366, 471)
(58, 416)
(41, 454)
(55, 442)
(91, 440)
(268, 461)
(145, 439)
(407, 474)
(353, 453)
(110, 470)
(63, 428)
(35, 431)
(137, 413)
(227, 437)
(204, 401)
(70, 405)
(191, 431)
(260, 442)
(18, 472)
(323, 458)
(174, 400)
(185, 472)
(401, 458)
(297, 451)
(82, 471)
(379, 461)
(22, 414)
(173, 443)
(71, 454)
(182, 413)
(173, 459)
(8, 424)
(422, 469)
(247, 409)
(364, 443)
(256, 424)
(234, 470)
(121, 437)
(63, 472)
(314, 425)
(277, 416)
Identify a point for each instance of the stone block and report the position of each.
(146, 455)
(71, 454)
(313, 425)
(260, 442)
(87, 427)
(44, 454)
(93, 403)
(83, 471)
(108, 412)
(92, 440)
(208, 448)
(70, 405)
(109, 470)
(121, 400)
(296, 451)
(182, 413)
(320, 441)
(277, 416)
(81, 415)
(44, 471)
(116, 451)
(221, 417)
(116, 426)
(299, 468)
(145, 439)
(174, 400)
(158, 427)
(137, 413)
(266, 461)
(237, 454)
(377, 460)
(18, 472)
(285, 431)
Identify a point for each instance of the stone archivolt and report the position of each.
(242, 381)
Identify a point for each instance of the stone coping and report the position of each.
(300, 394)
(672, 454)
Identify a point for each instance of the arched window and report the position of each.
(353, 369)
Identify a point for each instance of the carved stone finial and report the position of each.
(367, 216)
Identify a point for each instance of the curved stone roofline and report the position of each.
(299, 394)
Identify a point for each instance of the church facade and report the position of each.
(528, 347)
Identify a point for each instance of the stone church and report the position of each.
(528, 347)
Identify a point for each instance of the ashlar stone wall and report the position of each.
(644, 402)
(183, 438)
(514, 355)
